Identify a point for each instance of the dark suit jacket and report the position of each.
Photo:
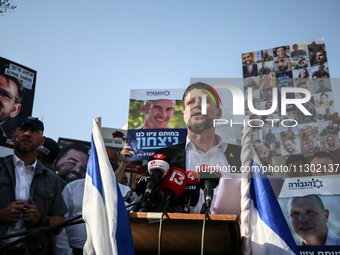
(176, 154)
(45, 190)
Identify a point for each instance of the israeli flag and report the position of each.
(107, 222)
(264, 229)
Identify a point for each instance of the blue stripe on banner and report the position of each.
(123, 231)
(93, 169)
(268, 207)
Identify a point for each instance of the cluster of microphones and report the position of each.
(165, 186)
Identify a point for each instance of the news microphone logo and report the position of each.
(159, 156)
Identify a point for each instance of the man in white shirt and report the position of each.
(72, 239)
(202, 145)
(30, 193)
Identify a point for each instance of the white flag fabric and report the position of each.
(107, 222)
(264, 229)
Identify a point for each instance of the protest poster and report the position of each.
(155, 121)
(17, 86)
(310, 206)
(299, 65)
(71, 162)
(115, 139)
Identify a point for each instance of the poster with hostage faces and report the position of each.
(297, 65)
(155, 121)
(17, 86)
(311, 207)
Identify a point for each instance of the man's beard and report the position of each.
(19, 147)
(201, 125)
(331, 144)
(283, 68)
(3, 115)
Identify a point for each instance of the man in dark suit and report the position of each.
(202, 145)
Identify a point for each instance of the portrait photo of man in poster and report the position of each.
(17, 85)
(308, 217)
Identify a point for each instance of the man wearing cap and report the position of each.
(301, 63)
(48, 152)
(30, 193)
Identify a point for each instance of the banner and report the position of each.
(155, 121)
(311, 207)
(300, 65)
(17, 86)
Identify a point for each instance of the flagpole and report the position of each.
(245, 185)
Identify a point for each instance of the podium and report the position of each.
(182, 233)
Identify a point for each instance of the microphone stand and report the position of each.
(36, 237)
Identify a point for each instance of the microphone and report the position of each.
(173, 185)
(208, 179)
(191, 192)
(158, 167)
(129, 197)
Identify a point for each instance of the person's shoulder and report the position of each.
(123, 189)
(46, 171)
(172, 148)
(74, 184)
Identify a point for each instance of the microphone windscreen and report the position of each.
(192, 187)
(176, 181)
(159, 162)
(207, 172)
(141, 185)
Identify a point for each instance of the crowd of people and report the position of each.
(42, 184)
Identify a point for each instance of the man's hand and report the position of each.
(31, 214)
(12, 212)
(126, 151)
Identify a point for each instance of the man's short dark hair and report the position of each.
(200, 85)
(284, 48)
(18, 83)
(67, 148)
(308, 139)
(300, 83)
(251, 54)
(292, 140)
(295, 158)
(295, 45)
(324, 154)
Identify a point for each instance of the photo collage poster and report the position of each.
(155, 121)
(17, 87)
(310, 206)
(299, 65)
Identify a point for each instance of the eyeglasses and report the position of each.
(5, 96)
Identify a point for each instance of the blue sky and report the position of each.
(89, 54)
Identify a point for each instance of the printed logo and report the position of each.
(158, 93)
(159, 156)
(305, 185)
